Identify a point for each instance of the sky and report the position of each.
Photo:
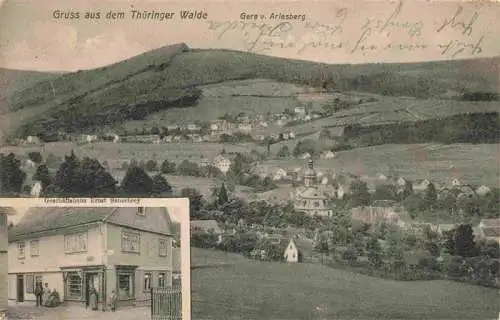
(33, 37)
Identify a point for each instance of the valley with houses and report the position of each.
(316, 191)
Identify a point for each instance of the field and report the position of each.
(253, 96)
(116, 153)
(392, 109)
(226, 286)
(473, 164)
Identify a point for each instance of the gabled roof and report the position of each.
(305, 247)
(46, 221)
(206, 225)
(491, 232)
(490, 223)
(8, 211)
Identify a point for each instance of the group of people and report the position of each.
(42, 294)
(93, 300)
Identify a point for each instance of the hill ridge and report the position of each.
(172, 73)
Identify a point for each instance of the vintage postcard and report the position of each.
(95, 258)
(340, 158)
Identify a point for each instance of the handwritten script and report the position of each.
(346, 30)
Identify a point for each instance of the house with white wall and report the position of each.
(298, 250)
(128, 250)
(222, 163)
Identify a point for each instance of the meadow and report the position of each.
(227, 286)
(116, 153)
(473, 164)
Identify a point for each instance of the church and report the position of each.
(311, 198)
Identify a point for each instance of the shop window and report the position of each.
(125, 285)
(74, 285)
(147, 281)
(161, 280)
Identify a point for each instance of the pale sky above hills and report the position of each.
(30, 38)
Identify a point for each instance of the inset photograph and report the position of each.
(92, 262)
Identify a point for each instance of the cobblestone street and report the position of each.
(73, 311)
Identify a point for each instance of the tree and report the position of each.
(414, 204)
(430, 196)
(201, 239)
(374, 252)
(95, 180)
(284, 152)
(396, 255)
(35, 156)
(322, 246)
(385, 192)
(222, 197)
(155, 131)
(137, 183)
(42, 174)
(161, 186)
(151, 165)
(67, 180)
(304, 146)
(195, 200)
(52, 161)
(460, 241)
(188, 168)
(360, 196)
(11, 176)
(464, 241)
(168, 167)
(407, 191)
(325, 134)
(350, 254)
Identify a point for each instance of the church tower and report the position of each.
(310, 174)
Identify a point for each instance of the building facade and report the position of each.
(311, 198)
(128, 250)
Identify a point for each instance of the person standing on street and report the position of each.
(112, 302)
(38, 294)
(46, 293)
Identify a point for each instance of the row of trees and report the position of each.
(185, 168)
(393, 252)
(81, 177)
(461, 128)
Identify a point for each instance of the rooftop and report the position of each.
(45, 221)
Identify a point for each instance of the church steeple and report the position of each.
(310, 174)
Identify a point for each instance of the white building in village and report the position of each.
(222, 163)
(36, 189)
(311, 198)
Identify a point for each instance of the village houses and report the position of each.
(489, 230)
(381, 211)
(32, 140)
(128, 250)
(222, 163)
(209, 226)
(36, 189)
(88, 138)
